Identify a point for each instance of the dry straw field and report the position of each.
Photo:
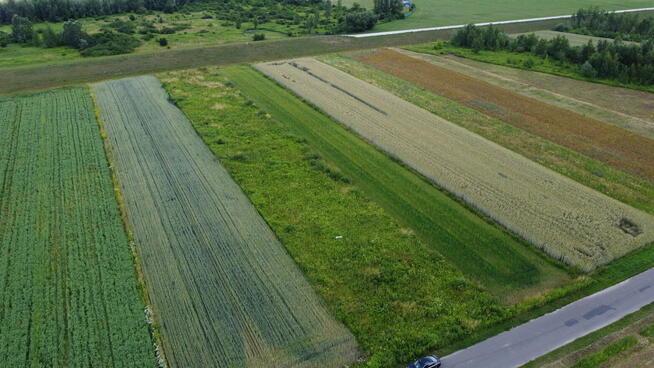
(617, 147)
(224, 290)
(569, 221)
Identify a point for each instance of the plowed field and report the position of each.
(568, 220)
(224, 290)
(615, 146)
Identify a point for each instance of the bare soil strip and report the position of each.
(623, 107)
(569, 221)
(604, 142)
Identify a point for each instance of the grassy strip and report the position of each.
(507, 266)
(524, 61)
(594, 360)
(615, 183)
(395, 293)
(594, 336)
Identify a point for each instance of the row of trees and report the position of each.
(597, 22)
(628, 63)
(105, 42)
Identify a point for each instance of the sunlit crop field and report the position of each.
(68, 289)
(223, 289)
(569, 221)
(602, 141)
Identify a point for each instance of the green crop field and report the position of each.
(376, 276)
(69, 295)
(511, 269)
(223, 289)
(431, 13)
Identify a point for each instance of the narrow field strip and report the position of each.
(627, 108)
(617, 184)
(223, 289)
(569, 221)
(617, 147)
(68, 290)
(512, 270)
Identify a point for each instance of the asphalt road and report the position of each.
(387, 33)
(539, 336)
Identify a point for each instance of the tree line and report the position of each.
(627, 63)
(597, 22)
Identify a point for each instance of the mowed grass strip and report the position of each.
(617, 147)
(567, 220)
(615, 183)
(223, 289)
(396, 293)
(509, 268)
(69, 295)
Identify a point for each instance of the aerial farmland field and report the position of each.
(569, 221)
(69, 295)
(604, 142)
(638, 193)
(623, 107)
(224, 291)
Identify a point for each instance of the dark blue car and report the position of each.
(426, 362)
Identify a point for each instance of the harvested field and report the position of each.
(566, 219)
(623, 107)
(617, 147)
(223, 289)
(69, 295)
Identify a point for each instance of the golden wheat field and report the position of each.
(569, 221)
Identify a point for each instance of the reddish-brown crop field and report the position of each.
(602, 141)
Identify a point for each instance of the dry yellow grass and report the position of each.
(569, 221)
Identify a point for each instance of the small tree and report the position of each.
(72, 34)
(50, 38)
(163, 42)
(21, 29)
(588, 71)
(258, 37)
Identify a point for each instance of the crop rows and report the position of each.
(223, 289)
(566, 219)
(604, 142)
(68, 290)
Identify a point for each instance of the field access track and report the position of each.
(604, 142)
(569, 221)
(223, 289)
(69, 295)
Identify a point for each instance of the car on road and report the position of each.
(426, 362)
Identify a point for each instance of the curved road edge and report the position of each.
(541, 335)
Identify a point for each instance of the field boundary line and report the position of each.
(120, 200)
(458, 26)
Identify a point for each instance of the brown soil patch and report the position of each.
(604, 142)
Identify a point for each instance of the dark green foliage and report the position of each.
(163, 41)
(360, 21)
(258, 37)
(109, 43)
(51, 38)
(72, 34)
(123, 26)
(21, 29)
(627, 63)
(388, 9)
(601, 23)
